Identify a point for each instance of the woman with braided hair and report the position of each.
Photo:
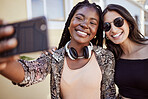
(80, 68)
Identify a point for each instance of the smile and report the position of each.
(117, 35)
(82, 33)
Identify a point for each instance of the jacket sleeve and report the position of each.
(109, 73)
(35, 70)
(107, 63)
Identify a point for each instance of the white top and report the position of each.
(83, 83)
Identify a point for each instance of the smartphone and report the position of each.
(32, 36)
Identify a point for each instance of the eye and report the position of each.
(93, 23)
(119, 22)
(79, 18)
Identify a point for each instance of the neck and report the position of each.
(129, 47)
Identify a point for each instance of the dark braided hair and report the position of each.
(99, 36)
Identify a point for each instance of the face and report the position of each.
(119, 29)
(84, 25)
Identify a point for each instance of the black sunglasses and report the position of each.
(118, 22)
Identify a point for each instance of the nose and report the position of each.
(84, 25)
(113, 28)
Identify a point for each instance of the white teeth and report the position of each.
(116, 35)
(83, 33)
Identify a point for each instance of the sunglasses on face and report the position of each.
(118, 22)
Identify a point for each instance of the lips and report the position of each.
(117, 35)
(83, 34)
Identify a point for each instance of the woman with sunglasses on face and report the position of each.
(79, 68)
(130, 49)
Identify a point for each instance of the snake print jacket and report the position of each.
(37, 70)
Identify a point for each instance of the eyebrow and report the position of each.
(84, 16)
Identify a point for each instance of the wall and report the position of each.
(13, 10)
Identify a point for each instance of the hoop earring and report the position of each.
(106, 37)
(95, 37)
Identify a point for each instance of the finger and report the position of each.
(8, 59)
(52, 50)
(45, 52)
(6, 31)
(7, 45)
(3, 66)
(1, 22)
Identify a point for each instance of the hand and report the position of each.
(4, 61)
(6, 44)
(51, 51)
(4, 32)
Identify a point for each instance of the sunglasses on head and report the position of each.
(118, 22)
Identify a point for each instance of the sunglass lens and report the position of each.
(106, 26)
(118, 22)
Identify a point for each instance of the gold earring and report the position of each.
(95, 37)
(106, 37)
(68, 28)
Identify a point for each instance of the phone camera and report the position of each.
(43, 27)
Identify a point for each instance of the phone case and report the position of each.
(32, 35)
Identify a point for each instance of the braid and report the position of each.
(66, 35)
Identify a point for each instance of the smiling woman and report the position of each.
(130, 49)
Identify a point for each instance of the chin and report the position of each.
(116, 42)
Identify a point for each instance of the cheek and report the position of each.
(126, 30)
(107, 34)
(126, 27)
(94, 30)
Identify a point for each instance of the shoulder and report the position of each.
(102, 52)
(104, 56)
(142, 52)
(57, 55)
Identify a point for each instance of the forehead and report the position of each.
(88, 11)
(111, 15)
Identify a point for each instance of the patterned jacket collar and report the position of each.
(59, 54)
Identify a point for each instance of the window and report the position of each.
(55, 10)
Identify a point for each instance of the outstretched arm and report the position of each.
(12, 70)
(9, 67)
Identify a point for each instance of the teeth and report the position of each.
(116, 35)
(83, 33)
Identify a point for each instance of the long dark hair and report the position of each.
(134, 33)
(99, 36)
